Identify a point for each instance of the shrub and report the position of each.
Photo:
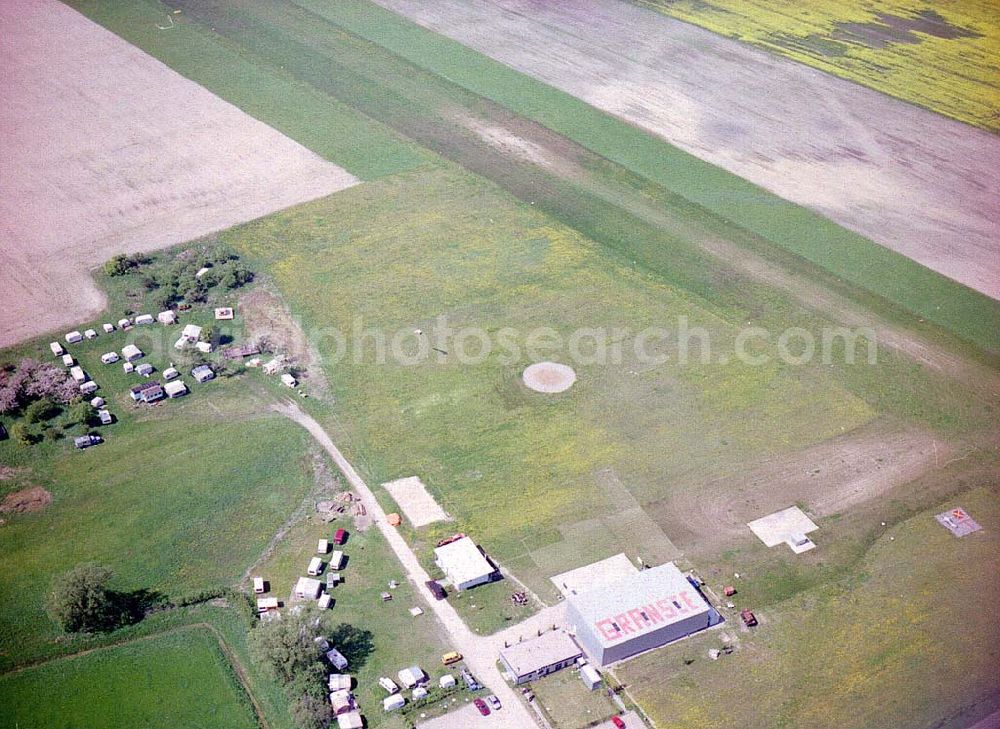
(80, 600)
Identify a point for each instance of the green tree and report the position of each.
(20, 433)
(288, 649)
(39, 410)
(79, 413)
(311, 712)
(118, 266)
(80, 600)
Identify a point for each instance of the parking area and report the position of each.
(468, 716)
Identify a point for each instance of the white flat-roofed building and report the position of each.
(531, 659)
(590, 676)
(131, 352)
(464, 564)
(638, 612)
(175, 388)
(307, 588)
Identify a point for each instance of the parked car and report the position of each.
(436, 590)
(483, 708)
(493, 701)
(470, 681)
(451, 657)
(618, 722)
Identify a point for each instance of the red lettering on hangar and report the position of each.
(645, 617)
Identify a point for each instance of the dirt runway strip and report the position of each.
(105, 150)
(907, 178)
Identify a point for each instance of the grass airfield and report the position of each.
(498, 217)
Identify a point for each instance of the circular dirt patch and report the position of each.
(549, 377)
(21, 502)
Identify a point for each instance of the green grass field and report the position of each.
(174, 679)
(408, 79)
(891, 643)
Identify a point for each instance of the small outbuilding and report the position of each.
(203, 373)
(350, 720)
(464, 564)
(266, 603)
(336, 658)
(203, 347)
(147, 392)
(175, 389)
(590, 676)
(341, 701)
(307, 588)
(131, 352)
(418, 693)
(274, 366)
(223, 313)
(391, 703)
(191, 332)
(446, 681)
(339, 682)
(412, 676)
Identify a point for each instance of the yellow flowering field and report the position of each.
(943, 55)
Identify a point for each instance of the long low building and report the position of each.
(638, 612)
(464, 564)
(531, 659)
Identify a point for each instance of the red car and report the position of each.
(618, 722)
(340, 536)
(483, 708)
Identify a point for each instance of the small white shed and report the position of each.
(131, 352)
(446, 681)
(590, 676)
(391, 703)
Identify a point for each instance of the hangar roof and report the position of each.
(638, 603)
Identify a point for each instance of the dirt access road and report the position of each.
(907, 178)
(480, 652)
(105, 150)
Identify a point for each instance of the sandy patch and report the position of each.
(907, 178)
(26, 500)
(828, 478)
(416, 501)
(549, 377)
(268, 321)
(106, 150)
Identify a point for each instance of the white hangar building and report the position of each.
(637, 612)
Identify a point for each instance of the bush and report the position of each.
(81, 601)
(20, 433)
(310, 712)
(40, 410)
(287, 648)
